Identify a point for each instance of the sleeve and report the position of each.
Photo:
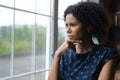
(111, 54)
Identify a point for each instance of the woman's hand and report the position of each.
(54, 72)
(68, 44)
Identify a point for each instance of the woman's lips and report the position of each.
(70, 37)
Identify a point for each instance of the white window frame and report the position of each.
(51, 41)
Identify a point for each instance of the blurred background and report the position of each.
(31, 30)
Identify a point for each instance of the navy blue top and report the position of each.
(85, 66)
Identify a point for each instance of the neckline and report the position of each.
(88, 52)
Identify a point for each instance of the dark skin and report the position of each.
(78, 34)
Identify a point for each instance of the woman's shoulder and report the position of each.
(106, 53)
(104, 49)
(97, 50)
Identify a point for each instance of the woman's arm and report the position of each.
(108, 70)
(54, 72)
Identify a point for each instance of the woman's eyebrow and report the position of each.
(71, 22)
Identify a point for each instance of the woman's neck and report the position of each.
(84, 47)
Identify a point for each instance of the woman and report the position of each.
(78, 58)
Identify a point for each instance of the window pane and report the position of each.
(7, 2)
(6, 21)
(61, 32)
(97, 1)
(63, 4)
(42, 24)
(25, 4)
(43, 7)
(23, 78)
(24, 22)
(6, 17)
(40, 76)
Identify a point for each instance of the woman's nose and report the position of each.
(68, 30)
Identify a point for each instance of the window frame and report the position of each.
(49, 42)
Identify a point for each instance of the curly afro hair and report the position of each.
(91, 15)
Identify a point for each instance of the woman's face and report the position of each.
(74, 29)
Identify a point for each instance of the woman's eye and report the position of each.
(66, 25)
(73, 25)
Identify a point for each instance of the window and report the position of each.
(97, 1)
(6, 21)
(23, 36)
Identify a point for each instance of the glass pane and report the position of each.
(6, 21)
(25, 4)
(23, 78)
(7, 2)
(43, 7)
(97, 1)
(42, 24)
(61, 32)
(23, 42)
(63, 4)
(40, 76)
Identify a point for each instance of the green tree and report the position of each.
(23, 39)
